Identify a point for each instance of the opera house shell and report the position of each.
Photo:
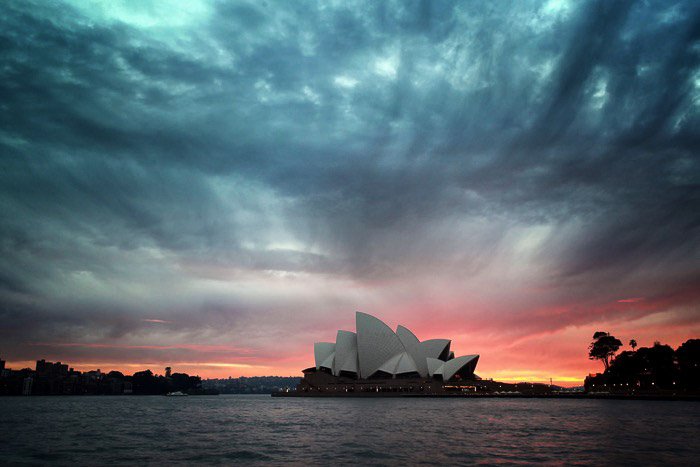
(375, 352)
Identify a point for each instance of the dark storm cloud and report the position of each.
(366, 141)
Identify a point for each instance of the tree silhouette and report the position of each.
(633, 344)
(603, 347)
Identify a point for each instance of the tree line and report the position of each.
(655, 368)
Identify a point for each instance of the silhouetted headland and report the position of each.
(656, 370)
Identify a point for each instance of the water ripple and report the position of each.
(262, 430)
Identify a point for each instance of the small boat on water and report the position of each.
(176, 393)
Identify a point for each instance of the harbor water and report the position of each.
(246, 429)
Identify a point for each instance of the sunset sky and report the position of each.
(214, 186)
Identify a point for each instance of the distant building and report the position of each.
(2, 365)
(375, 358)
(93, 375)
(167, 371)
(44, 368)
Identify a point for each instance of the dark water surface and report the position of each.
(94, 430)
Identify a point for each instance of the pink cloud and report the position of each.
(631, 300)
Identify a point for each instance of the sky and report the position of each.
(216, 185)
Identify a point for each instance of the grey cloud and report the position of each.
(113, 138)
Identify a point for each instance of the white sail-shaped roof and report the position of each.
(436, 348)
(390, 365)
(322, 350)
(450, 367)
(376, 347)
(434, 365)
(413, 348)
(345, 352)
(376, 343)
(406, 365)
(328, 362)
(399, 364)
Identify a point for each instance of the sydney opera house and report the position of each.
(376, 359)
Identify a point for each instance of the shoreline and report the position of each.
(635, 397)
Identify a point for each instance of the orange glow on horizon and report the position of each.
(515, 353)
(224, 370)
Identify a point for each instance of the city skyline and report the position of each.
(214, 185)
